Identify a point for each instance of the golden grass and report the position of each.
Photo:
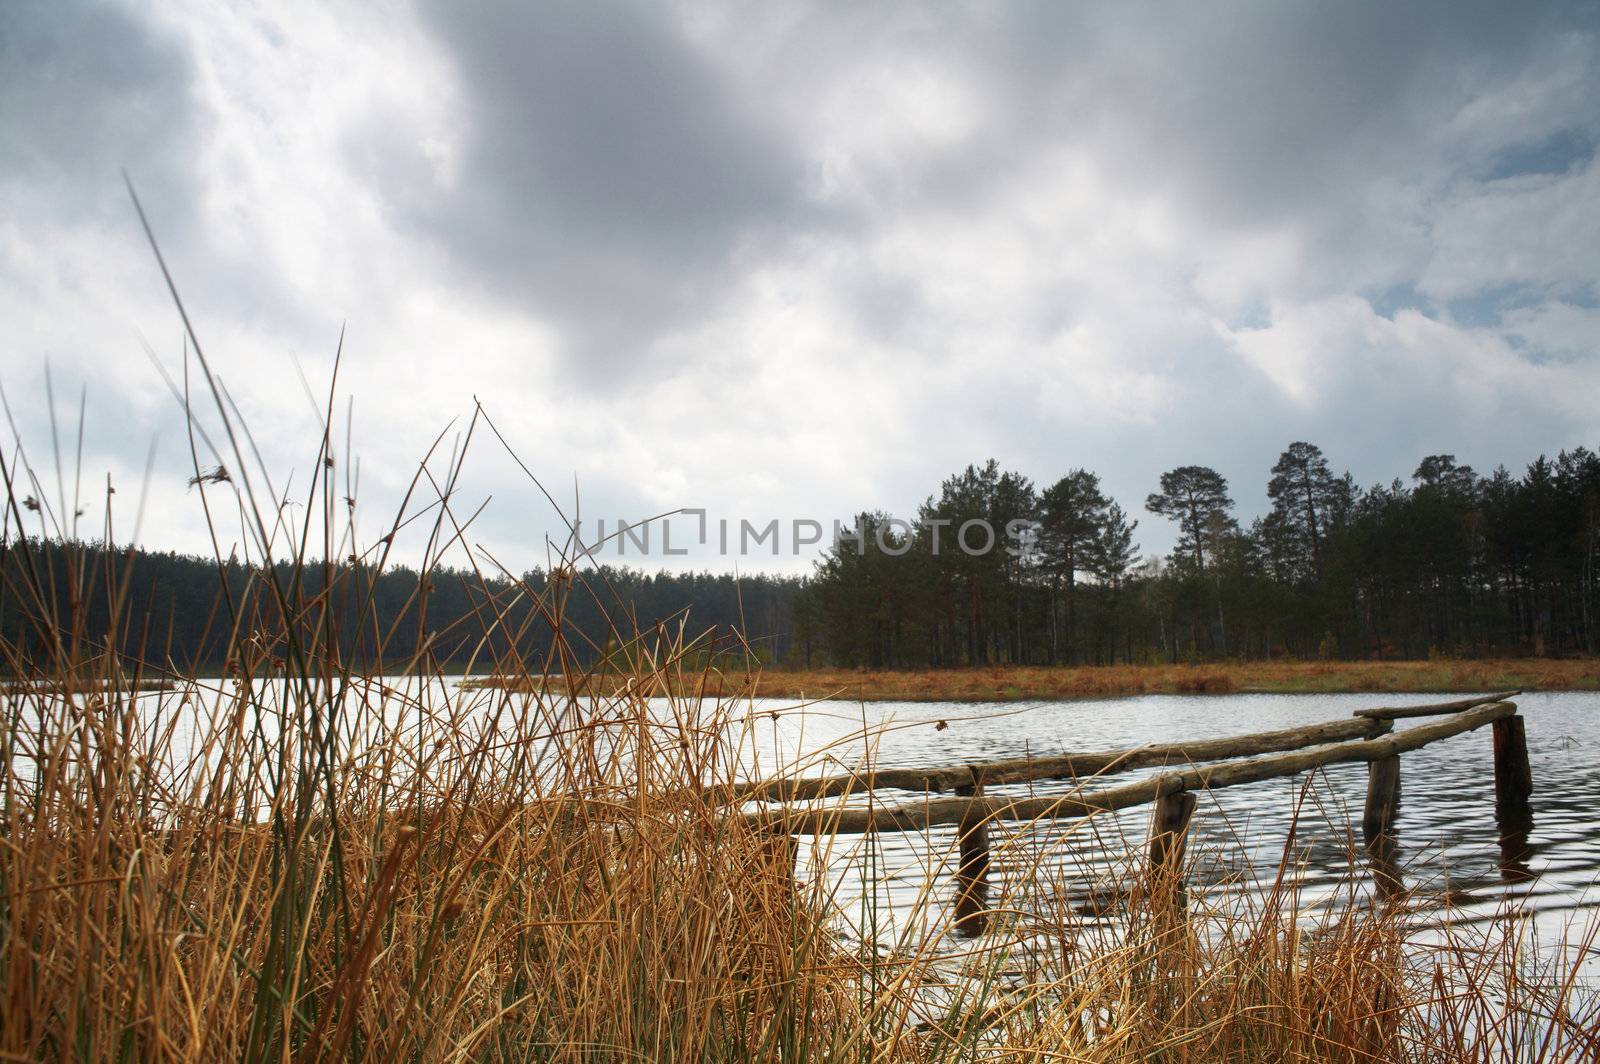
(427, 893)
(312, 861)
(498, 878)
(1012, 683)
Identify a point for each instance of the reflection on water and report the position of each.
(1453, 841)
(1516, 844)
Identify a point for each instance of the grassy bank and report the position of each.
(1009, 683)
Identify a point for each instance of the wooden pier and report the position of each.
(796, 806)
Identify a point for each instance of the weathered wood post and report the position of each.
(972, 873)
(1513, 779)
(1513, 791)
(1169, 841)
(1378, 824)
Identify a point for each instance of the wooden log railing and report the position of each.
(1055, 767)
(839, 820)
(1436, 709)
(1366, 738)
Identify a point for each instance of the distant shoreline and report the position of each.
(1019, 683)
(1006, 683)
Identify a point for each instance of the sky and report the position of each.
(790, 261)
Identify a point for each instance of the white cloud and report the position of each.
(795, 262)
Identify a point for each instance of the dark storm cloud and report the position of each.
(1259, 109)
(1264, 106)
(616, 178)
(610, 178)
(86, 90)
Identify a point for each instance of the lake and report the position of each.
(1449, 841)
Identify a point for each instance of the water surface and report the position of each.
(1452, 846)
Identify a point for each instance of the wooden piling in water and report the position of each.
(1378, 824)
(1169, 841)
(1513, 805)
(1513, 778)
(972, 873)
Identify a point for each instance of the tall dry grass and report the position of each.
(323, 856)
(317, 857)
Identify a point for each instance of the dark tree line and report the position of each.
(177, 609)
(1450, 563)
(991, 569)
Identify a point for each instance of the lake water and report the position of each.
(897, 886)
(1450, 843)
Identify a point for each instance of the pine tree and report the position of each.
(1073, 514)
(1197, 498)
(1305, 496)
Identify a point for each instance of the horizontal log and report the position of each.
(1058, 766)
(1434, 709)
(950, 811)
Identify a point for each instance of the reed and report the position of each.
(313, 858)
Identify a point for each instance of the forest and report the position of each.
(1451, 564)
(1448, 564)
(179, 610)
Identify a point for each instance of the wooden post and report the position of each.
(1513, 779)
(1378, 824)
(1169, 841)
(1513, 790)
(972, 874)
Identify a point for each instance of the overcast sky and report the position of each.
(793, 261)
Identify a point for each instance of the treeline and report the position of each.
(177, 610)
(1451, 563)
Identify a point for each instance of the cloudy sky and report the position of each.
(791, 260)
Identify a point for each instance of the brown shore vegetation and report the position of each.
(1014, 683)
(327, 866)
(315, 860)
